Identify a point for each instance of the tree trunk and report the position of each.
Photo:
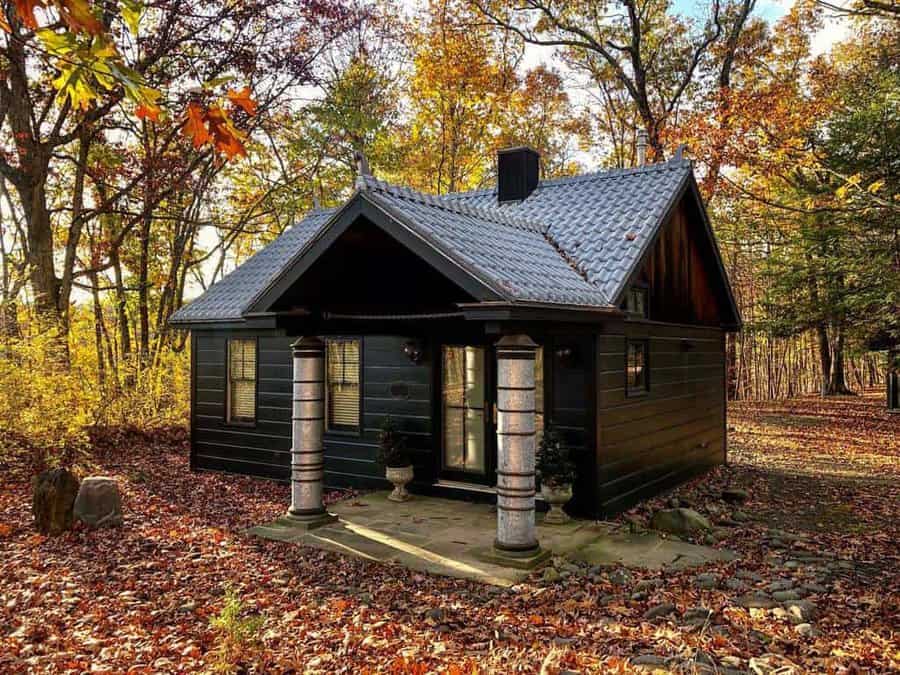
(824, 356)
(836, 384)
(98, 330)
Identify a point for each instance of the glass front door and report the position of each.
(465, 412)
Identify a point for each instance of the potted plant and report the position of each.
(556, 473)
(392, 455)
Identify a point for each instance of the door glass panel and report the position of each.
(464, 409)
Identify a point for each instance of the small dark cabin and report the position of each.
(615, 274)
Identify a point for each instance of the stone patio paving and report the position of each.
(455, 538)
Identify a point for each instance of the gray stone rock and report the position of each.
(818, 589)
(697, 616)
(657, 611)
(756, 601)
(741, 517)
(679, 522)
(749, 575)
(53, 495)
(551, 575)
(435, 614)
(735, 495)
(735, 585)
(780, 585)
(782, 596)
(648, 660)
(706, 581)
(804, 610)
(806, 630)
(648, 584)
(620, 577)
(98, 503)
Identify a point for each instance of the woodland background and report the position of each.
(146, 148)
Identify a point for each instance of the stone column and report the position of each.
(308, 428)
(515, 447)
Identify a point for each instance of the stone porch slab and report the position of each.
(455, 538)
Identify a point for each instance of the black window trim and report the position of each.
(243, 423)
(645, 288)
(345, 432)
(630, 392)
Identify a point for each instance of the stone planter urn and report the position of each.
(399, 476)
(556, 496)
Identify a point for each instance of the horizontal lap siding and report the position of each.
(392, 386)
(262, 449)
(652, 442)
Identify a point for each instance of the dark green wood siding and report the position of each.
(261, 449)
(392, 385)
(652, 442)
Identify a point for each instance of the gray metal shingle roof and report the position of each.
(227, 299)
(604, 220)
(572, 241)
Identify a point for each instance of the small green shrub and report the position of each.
(554, 467)
(392, 446)
(237, 635)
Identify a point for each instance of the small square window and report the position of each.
(636, 302)
(636, 375)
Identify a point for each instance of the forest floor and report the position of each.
(821, 524)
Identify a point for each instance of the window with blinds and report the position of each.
(242, 381)
(342, 384)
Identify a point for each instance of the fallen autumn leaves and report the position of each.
(140, 598)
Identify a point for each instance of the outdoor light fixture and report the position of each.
(413, 351)
(567, 356)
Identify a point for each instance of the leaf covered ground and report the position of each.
(821, 524)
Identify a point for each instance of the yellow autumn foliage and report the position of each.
(49, 408)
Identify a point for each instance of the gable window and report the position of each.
(636, 375)
(636, 302)
(242, 381)
(342, 384)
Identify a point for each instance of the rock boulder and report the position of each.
(680, 522)
(98, 503)
(52, 497)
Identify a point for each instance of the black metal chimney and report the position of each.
(518, 173)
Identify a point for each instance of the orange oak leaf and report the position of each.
(195, 125)
(78, 16)
(148, 111)
(242, 99)
(226, 137)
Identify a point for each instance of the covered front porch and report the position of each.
(455, 538)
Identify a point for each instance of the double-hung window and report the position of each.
(342, 384)
(241, 381)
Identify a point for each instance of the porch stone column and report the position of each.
(515, 447)
(308, 427)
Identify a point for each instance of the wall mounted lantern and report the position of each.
(413, 350)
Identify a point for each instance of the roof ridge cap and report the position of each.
(494, 215)
(599, 174)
